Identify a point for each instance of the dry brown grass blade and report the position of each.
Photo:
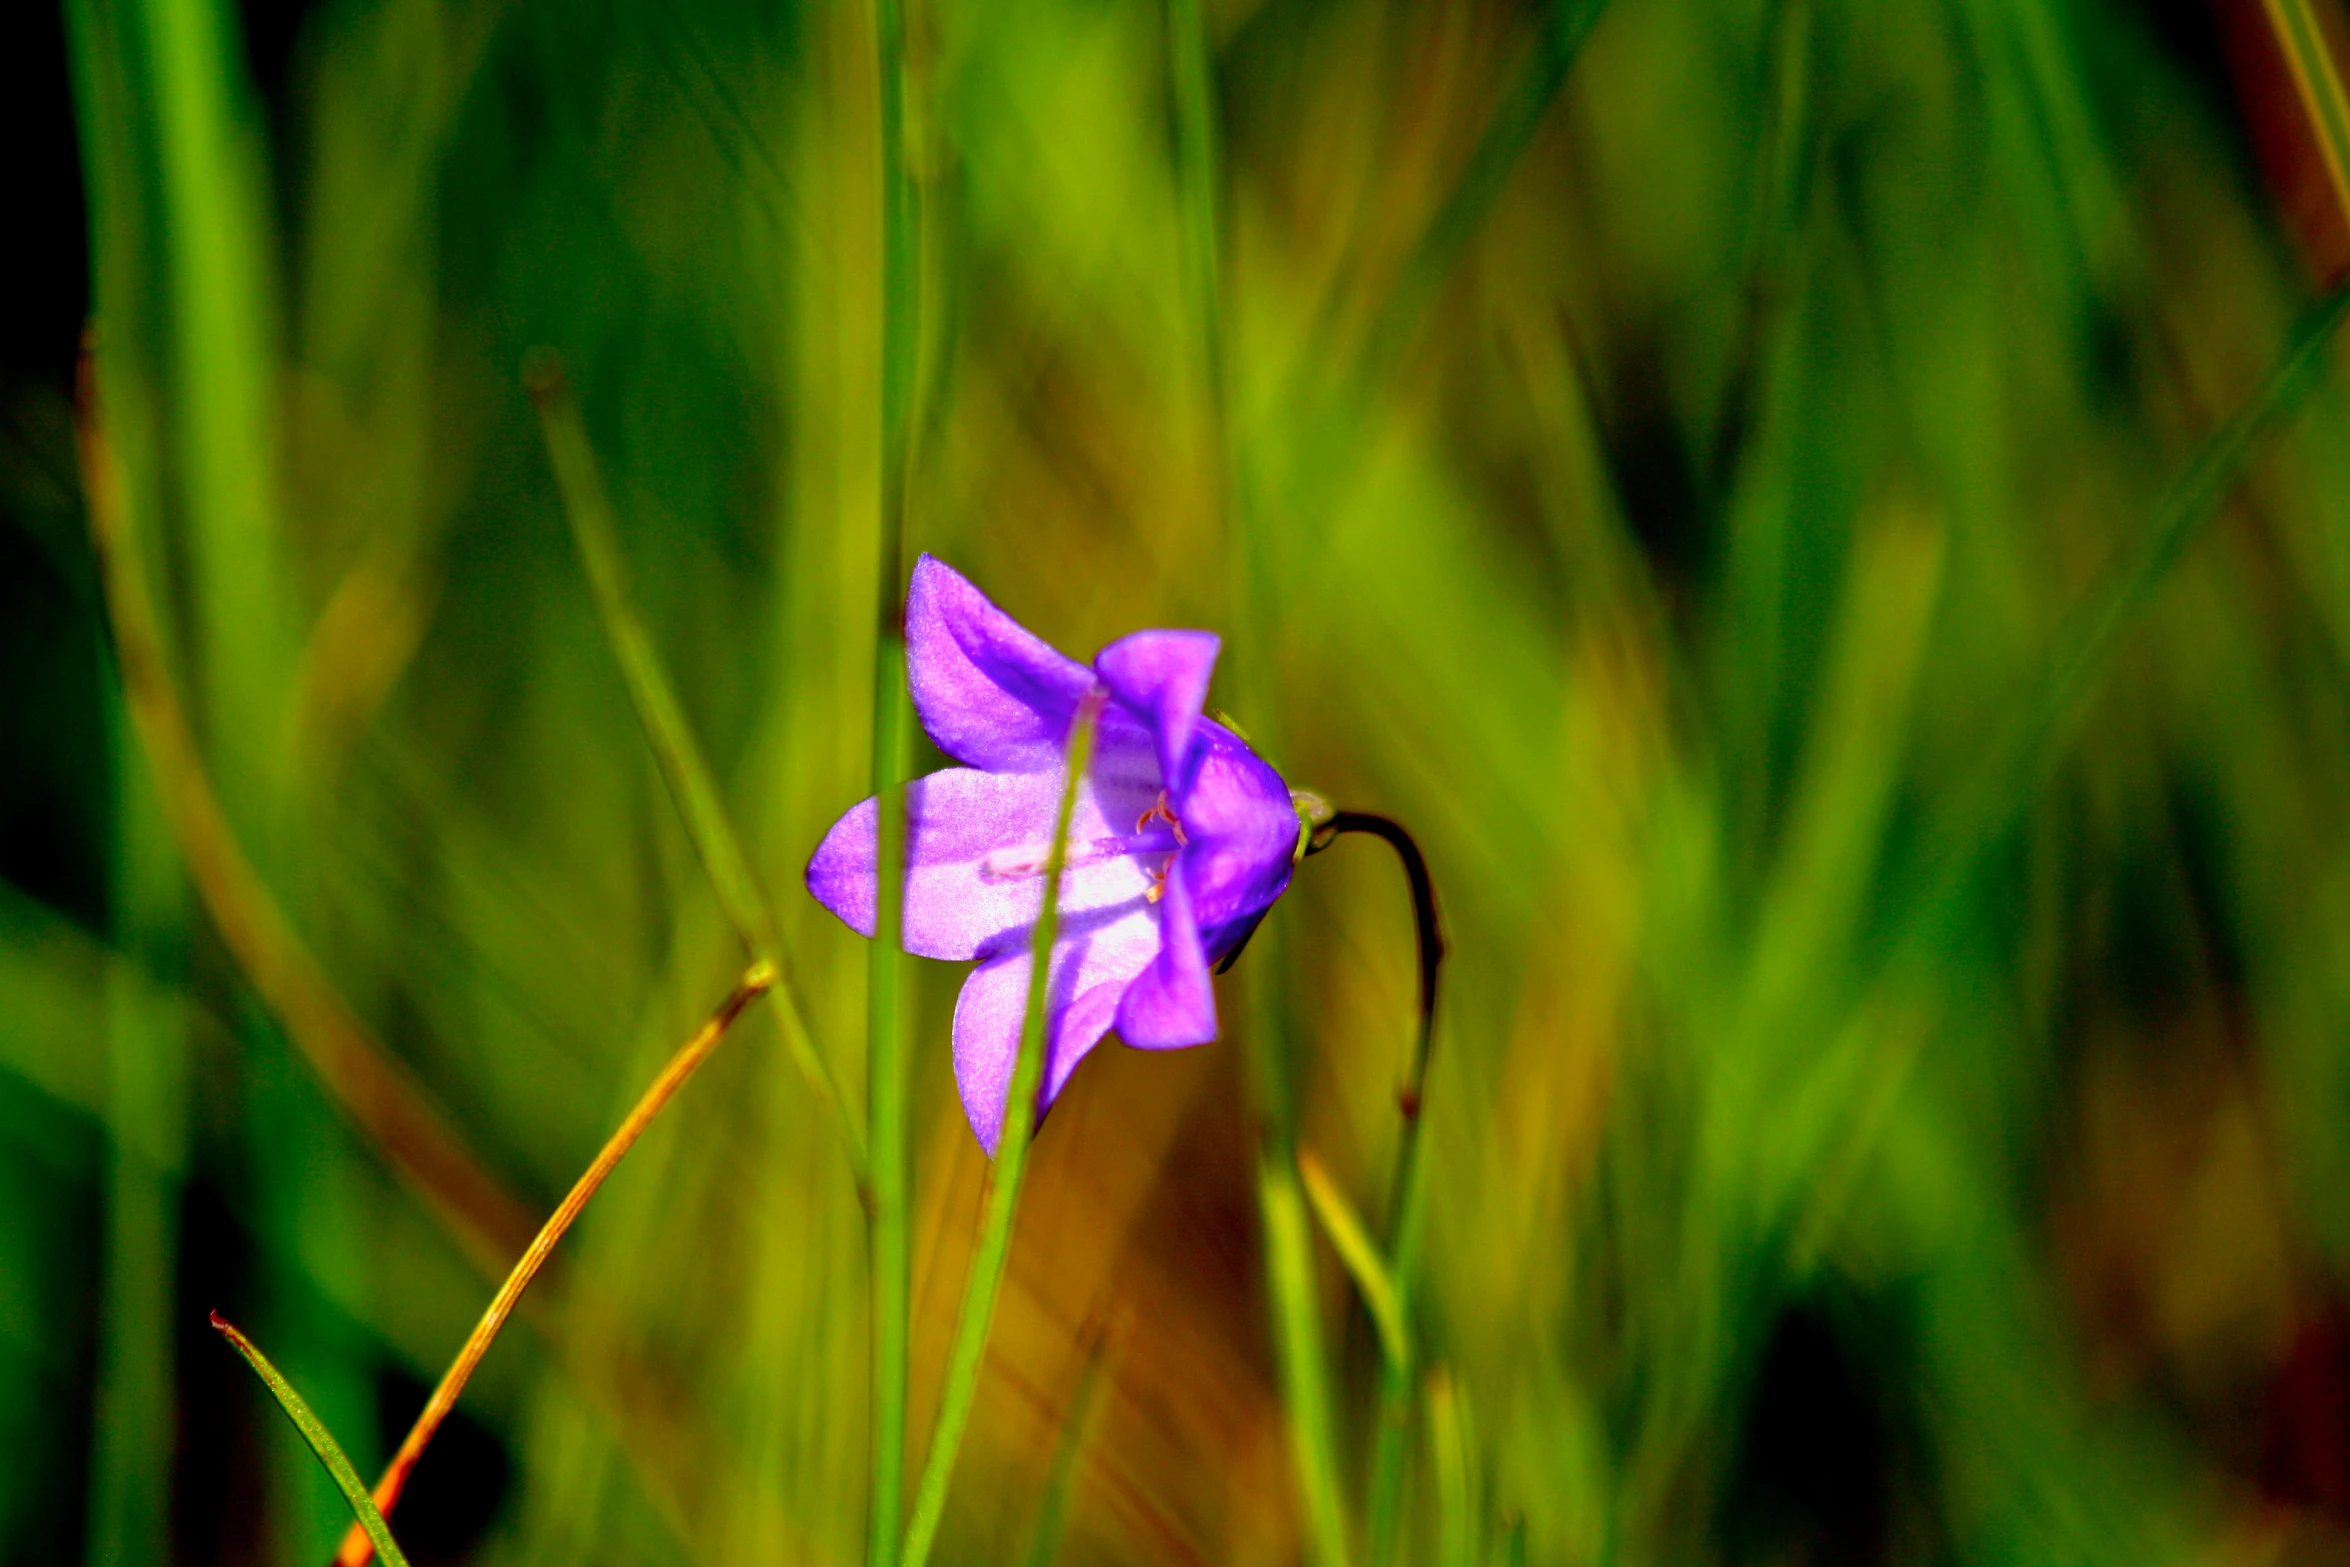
(388, 1106)
(756, 981)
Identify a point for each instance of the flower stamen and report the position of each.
(1162, 812)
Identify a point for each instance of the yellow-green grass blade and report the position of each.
(1011, 1165)
(683, 767)
(321, 1440)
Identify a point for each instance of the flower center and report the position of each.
(1156, 832)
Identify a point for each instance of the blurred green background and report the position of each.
(1701, 463)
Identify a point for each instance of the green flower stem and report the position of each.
(322, 1442)
(1011, 1163)
(683, 768)
(885, 971)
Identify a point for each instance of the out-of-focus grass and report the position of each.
(1676, 441)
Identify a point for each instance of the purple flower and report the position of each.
(1182, 838)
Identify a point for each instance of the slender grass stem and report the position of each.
(1011, 1164)
(1297, 1327)
(891, 1246)
(1351, 1239)
(1299, 1351)
(756, 981)
(1479, 185)
(2320, 85)
(962, 1382)
(2019, 760)
(389, 1108)
(321, 1440)
(1052, 1508)
(683, 768)
(1456, 1519)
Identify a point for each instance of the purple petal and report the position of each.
(976, 844)
(987, 689)
(1163, 677)
(1172, 1002)
(1243, 835)
(1091, 969)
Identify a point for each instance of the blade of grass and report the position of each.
(892, 1252)
(756, 981)
(714, 839)
(1052, 1509)
(1297, 1327)
(1351, 1239)
(1929, 896)
(1298, 1350)
(387, 1106)
(321, 1440)
(146, 1115)
(1011, 1164)
(2021, 759)
(214, 241)
(1449, 1439)
(2320, 85)
(1505, 139)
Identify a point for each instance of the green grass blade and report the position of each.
(1052, 1509)
(1297, 1328)
(1448, 1435)
(1351, 1238)
(321, 1440)
(2019, 762)
(146, 1111)
(589, 508)
(1011, 1164)
(1480, 184)
(1298, 1347)
(892, 1267)
(216, 247)
(2320, 84)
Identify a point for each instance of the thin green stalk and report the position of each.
(683, 768)
(1052, 1509)
(213, 234)
(1297, 1326)
(146, 1112)
(1480, 184)
(322, 1442)
(1351, 1239)
(1391, 1442)
(1448, 1437)
(1011, 1163)
(1298, 1349)
(887, 1217)
(2320, 84)
(2017, 764)
(1197, 158)
(886, 1045)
